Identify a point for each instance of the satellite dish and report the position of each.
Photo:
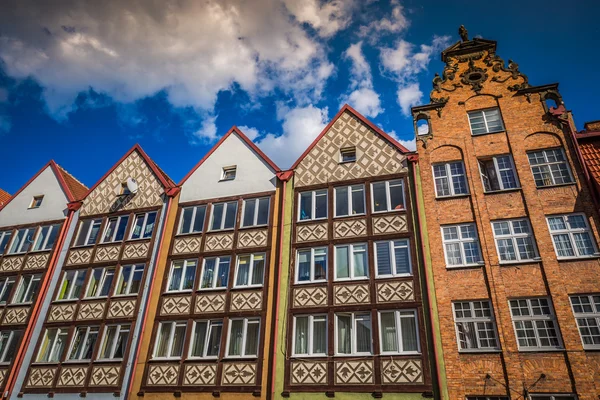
(132, 185)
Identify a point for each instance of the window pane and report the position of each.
(252, 333)
(379, 197)
(243, 271)
(384, 264)
(389, 336)
(363, 334)
(209, 273)
(223, 276)
(217, 216)
(358, 200)
(199, 339)
(230, 215)
(583, 243)
(320, 265)
(149, 224)
(186, 220)
(249, 206)
(402, 257)
(409, 331)
(176, 274)
(236, 338)
(83, 230)
(138, 226)
(342, 267)
(109, 337)
(199, 219)
(360, 261)
(321, 204)
(343, 334)
(305, 206)
(4, 239)
(396, 195)
(258, 269)
(301, 339)
(341, 201)
(303, 266)
(94, 232)
(39, 243)
(190, 275)
(263, 212)
(214, 339)
(319, 335)
(162, 347)
(178, 341)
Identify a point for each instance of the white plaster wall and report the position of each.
(53, 206)
(253, 174)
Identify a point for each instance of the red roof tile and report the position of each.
(590, 150)
(77, 189)
(4, 197)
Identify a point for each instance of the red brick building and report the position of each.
(512, 230)
(588, 141)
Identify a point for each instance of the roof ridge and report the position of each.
(71, 176)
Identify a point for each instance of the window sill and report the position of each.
(110, 243)
(247, 287)
(83, 246)
(209, 289)
(237, 358)
(346, 162)
(183, 234)
(38, 363)
(109, 360)
(138, 239)
(253, 227)
(354, 355)
(517, 189)
(63, 301)
(220, 230)
(343, 280)
(166, 358)
(212, 358)
(556, 186)
(310, 282)
(403, 209)
(186, 291)
(517, 262)
(301, 356)
(454, 196)
(95, 298)
(487, 133)
(396, 353)
(541, 350)
(38, 251)
(465, 266)
(303, 221)
(350, 215)
(576, 258)
(393, 276)
(120, 296)
(226, 180)
(77, 361)
(480, 351)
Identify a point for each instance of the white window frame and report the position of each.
(46, 239)
(570, 233)
(398, 324)
(312, 265)
(23, 241)
(474, 319)
(9, 344)
(88, 330)
(256, 207)
(105, 273)
(497, 169)
(34, 202)
(93, 221)
(513, 236)
(112, 238)
(217, 273)
(3, 286)
(59, 331)
(174, 325)
(355, 316)
(210, 324)
(194, 213)
(251, 270)
(314, 194)
(534, 318)
(34, 277)
(594, 314)
(351, 189)
(310, 339)
(69, 296)
(3, 235)
(461, 242)
(226, 170)
(485, 118)
(388, 197)
(226, 205)
(186, 264)
(247, 321)
(449, 180)
(134, 268)
(350, 262)
(347, 150)
(113, 346)
(548, 164)
(393, 258)
(144, 225)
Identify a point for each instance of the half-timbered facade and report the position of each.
(209, 329)
(86, 337)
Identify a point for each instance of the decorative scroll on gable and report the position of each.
(104, 199)
(374, 155)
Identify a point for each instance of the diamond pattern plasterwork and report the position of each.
(353, 372)
(200, 375)
(37, 261)
(107, 253)
(308, 373)
(389, 224)
(311, 233)
(10, 264)
(187, 245)
(246, 301)
(375, 156)
(90, 311)
(176, 305)
(401, 371)
(351, 294)
(105, 376)
(17, 315)
(253, 238)
(62, 312)
(219, 241)
(310, 297)
(83, 256)
(72, 376)
(121, 308)
(210, 303)
(239, 374)
(103, 199)
(395, 291)
(160, 374)
(136, 250)
(41, 377)
(345, 229)
(2, 375)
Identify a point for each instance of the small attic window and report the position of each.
(36, 202)
(229, 173)
(348, 154)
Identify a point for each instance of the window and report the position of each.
(351, 262)
(6, 285)
(36, 202)
(353, 334)
(143, 225)
(250, 270)
(349, 200)
(311, 265)
(53, 345)
(546, 396)
(27, 289)
(9, 341)
(498, 173)
(88, 232)
(192, 219)
(586, 309)
(348, 154)
(206, 339)
(228, 173)
(312, 205)
(242, 340)
(310, 335)
(100, 282)
(114, 342)
(514, 240)
(398, 332)
(535, 324)
(182, 275)
(115, 229)
(571, 236)
(22, 241)
(392, 258)
(485, 121)
(170, 339)
(4, 239)
(223, 216)
(215, 273)
(84, 342)
(71, 285)
(130, 279)
(46, 237)
(387, 196)
(549, 167)
(256, 212)
(450, 179)
(461, 245)
(475, 327)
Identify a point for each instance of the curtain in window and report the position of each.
(360, 261)
(198, 339)
(384, 265)
(176, 277)
(178, 340)
(243, 271)
(320, 336)
(466, 335)
(342, 269)
(363, 334)
(301, 344)
(214, 340)
(163, 340)
(252, 339)
(236, 337)
(389, 336)
(258, 269)
(402, 261)
(305, 205)
(343, 333)
(209, 271)
(408, 328)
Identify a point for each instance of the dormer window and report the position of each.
(36, 202)
(229, 173)
(348, 154)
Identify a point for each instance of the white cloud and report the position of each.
(409, 144)
(251, 133)
(366, 101)
(208, 129)
(408, 96)
(326, 17)
(395, 23)
(362, 96)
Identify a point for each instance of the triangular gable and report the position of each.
(152, 182)
(377, 152)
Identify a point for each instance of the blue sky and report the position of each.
(82, 82)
